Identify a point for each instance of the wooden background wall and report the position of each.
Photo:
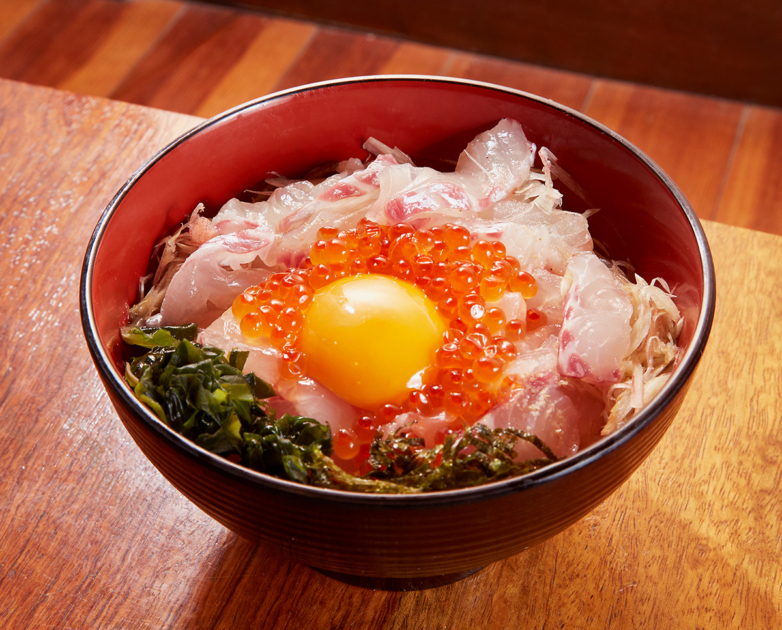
(724, 48)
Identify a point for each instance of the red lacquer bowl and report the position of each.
(403, 540)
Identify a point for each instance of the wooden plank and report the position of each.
(753, 190)
(49, 46)
(690, 137)
(334, 54)
(714, 47)
(180, 71)
(568, 88)
(14, 13)
(63, 157)
(261, 67)
(414, 58)
(140, 25)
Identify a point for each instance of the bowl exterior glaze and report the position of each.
(644, 218)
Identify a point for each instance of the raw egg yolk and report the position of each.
(366, 338)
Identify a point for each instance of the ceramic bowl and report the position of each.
(644, 218)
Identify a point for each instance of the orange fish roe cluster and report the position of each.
(461, 274)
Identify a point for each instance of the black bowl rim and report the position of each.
(490, 491)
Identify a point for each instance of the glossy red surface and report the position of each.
(643, 218)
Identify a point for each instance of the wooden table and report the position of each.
(91, 536)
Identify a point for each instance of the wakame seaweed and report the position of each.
(203, 394)
(158, 337)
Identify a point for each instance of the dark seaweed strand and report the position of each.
(402, 460)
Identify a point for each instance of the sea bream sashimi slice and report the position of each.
(295, 211)
(538, 239)
(213, 275)
(341, 206)
(596, 333)
(408, 191)
(555, 408)
(264, 359)
(289, 201)
(304, 396)
(499, 159)
(352, 190)
(492, 165)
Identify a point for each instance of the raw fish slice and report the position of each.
(236, 216)
(294, 208)
(493, 164)
(576, 410)
(224, 333)
(209, 280)
(548, 299)
(416, 425)
(596, 332)
(284, 201)
(512, 304)
(499, 159)
(543, 409)
(341, 205)
(542, 337)
(407, 191)
(306, 397)
(551, 408)
(537, 354)
(235, 213)
(341, 196)
(540, 238)
(281, 203)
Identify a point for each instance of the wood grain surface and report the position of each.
(753, 187)
(91, 536)
(708, 46)
(202, 59)
(690, 137)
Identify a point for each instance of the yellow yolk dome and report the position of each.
(365, 337)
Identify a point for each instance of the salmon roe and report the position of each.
(456, 271)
